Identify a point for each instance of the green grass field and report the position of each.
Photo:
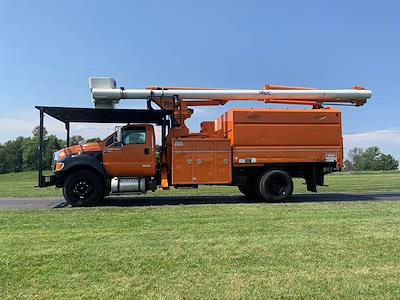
(248, 251)
(229, 251)
(22, 185)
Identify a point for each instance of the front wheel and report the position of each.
(275, 186)
(83, 188)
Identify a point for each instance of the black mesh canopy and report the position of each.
(103, 115)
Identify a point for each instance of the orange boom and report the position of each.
(258, 150)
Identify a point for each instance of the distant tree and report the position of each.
(2, 162)
(354, 161)
(11, 155)
(22, 153)
(387, 162)
(370, 159)
(36, 132)
(52, 143)
(76, 140)
(93, 140)
(30, 154)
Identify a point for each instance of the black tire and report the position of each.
(274, 186)
(248, 191)
(83, 188)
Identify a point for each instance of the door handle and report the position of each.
(110, 150)
(146, 151)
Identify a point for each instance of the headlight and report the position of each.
(55, 156)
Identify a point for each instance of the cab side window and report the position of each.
(134, 136)
(110, 141)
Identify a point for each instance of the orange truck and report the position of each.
(259, 150)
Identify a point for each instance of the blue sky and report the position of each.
(48, 50)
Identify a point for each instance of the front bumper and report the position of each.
(45, 181)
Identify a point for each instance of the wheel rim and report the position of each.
(82, 189)
(276, 186)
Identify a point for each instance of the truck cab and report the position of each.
(125, 161)
(131, 153)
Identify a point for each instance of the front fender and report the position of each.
(73, 162)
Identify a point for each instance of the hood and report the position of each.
(90, 147)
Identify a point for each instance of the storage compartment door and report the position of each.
(203, 162)
(223, 162)
(182, 162)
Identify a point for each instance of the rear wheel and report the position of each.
(275, 186)
(248, 191)
(83, 188)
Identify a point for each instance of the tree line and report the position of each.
(370, 159)
(22, 153)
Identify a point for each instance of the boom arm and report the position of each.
(110, 95)
(177, 99)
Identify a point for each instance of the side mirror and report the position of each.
(119, 135)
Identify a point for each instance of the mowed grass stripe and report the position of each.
(307, 250)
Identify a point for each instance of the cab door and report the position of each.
(135, 156)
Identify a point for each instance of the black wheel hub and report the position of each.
(83, 189)
(277, 186)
